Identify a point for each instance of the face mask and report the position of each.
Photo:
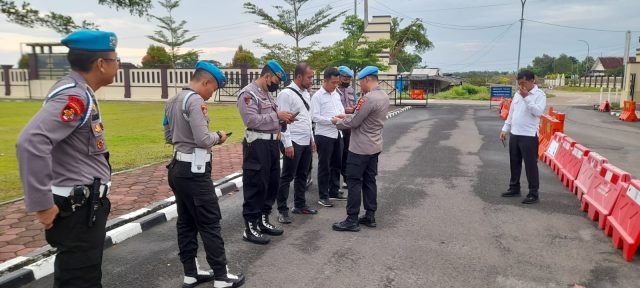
(345, 85)
(273, 87)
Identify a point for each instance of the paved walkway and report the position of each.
(20, 233)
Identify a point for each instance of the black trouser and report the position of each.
(361, 178)
(346, 137)
(79, 258)
(260, 177)
(524, 147)
(198, 212)
(295, 168)
(329, 160)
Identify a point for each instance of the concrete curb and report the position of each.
(39, 263)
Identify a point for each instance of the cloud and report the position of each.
(11, 41)
(270, 31)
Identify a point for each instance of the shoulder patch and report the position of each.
(359, 104)
(247, 99)
(72, 110)
(203, 107)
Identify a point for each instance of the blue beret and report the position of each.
(91, 40)
(345, 71)
(369, 70)
(206, 66)
(277, 69)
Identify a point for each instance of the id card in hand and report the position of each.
(200, 157)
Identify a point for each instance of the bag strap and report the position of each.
(185, 111)
(301, 98)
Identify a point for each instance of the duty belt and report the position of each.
(66, 191)
(252, 134)
(80, 194)
(184, 157)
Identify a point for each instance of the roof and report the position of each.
(426, 71)
(613, 62)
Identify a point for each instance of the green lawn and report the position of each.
(579, 89)
(133, 132)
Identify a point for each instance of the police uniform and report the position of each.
(64, 161)
(366, 124)
(261, 157)
(186, 127)
(348, 98)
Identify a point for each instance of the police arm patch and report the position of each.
(360, 102)
(203, 107)
(72, 110)
(247, 99)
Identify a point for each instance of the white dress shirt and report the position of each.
(525, 112)
(300, 130)
(324, 106)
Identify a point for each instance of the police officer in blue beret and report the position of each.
(348, 98)
(261, 152)
(186, 127)
(64, 161)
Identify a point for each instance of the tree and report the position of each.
(563, 64)
(156, 55)
(23, 63)
(407, 61)
(244, 57)
(586, 65)
(173, 34)
(288, 22)
(415, 35)
(25, 15)
(542, 65)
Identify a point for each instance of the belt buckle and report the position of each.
(78, 196)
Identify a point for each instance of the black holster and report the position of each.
(94, 200)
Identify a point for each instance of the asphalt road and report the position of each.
(441, 223)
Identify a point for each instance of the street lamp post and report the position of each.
(585, 59)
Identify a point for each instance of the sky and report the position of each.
(467, 35)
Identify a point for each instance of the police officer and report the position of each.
(186, 127)
(348, 98)
(261, 154)
(64, 161)
(366, 125)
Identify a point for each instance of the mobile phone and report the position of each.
(229, 134)
(296, 114)
(504, 144)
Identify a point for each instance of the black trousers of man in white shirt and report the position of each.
(524, 148)
(329, 165)
(294, 169)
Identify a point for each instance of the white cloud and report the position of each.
(270, 31)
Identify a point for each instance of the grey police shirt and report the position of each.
(63, 144)
(258, 110)
(185, 135)
(366, 123)
(347, 96)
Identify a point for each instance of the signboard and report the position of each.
(499, 92)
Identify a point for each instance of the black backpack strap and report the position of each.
(301, 98)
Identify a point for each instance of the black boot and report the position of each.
(228, 280)
(252, 234)
(350, 224)
(193, 279)
(267, 228)
(369, 220)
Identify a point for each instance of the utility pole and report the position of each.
(366, 13)
(355, 8)
(585, 59)
(520, 41)
(627, 44)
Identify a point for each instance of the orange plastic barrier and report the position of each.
(624, 222)
(562, 155)
(571, 167)
(417, 94)
(552, 149)
(504, 109)
(603, 193)
(604, 106)
(588, 171)
(549, 126)
(629, 112)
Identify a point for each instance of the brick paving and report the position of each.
(20, 233)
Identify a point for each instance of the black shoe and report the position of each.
(325, 203)
(304, 210)
(339, 197)
(229, 280)
(368, 220)
(252, 234)
(511, 193)
(530, 200)
(266, 227)
(350, 224)
(284, 218)
(201, 277)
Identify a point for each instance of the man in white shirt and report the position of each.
(326, 104)
(522, 124)
(298, 143)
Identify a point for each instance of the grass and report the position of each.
(578, 89)
(134, 135)
(464, 92)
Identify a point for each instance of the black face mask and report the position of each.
(273, 87)
(345, 85)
